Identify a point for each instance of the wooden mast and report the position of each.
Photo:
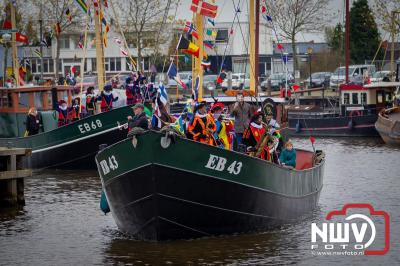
(14, 45)
(252, 47)
(198, 70)
(99, 50)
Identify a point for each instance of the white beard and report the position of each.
(107, 93)
(63, 107)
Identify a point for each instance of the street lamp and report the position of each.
(309, 52)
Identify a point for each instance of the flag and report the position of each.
(105, 40)
(209, 44)
(263, 9)
(107, 28)
(205, 64)
(105, 3)
(21, 38)
(57, 28)
(73, 70)
(211, 33)
(102, 18)
(221, 77)
(7, 25)
(117, 41)
(178, 125)
(190, 29)
(195, 90)
(173, 73)
(37, 52)
(163, 94)
(312, 139)
(296, 87)
(189, 46)
(80, 42)
(211, 22)
(231, 32)
(83, 5)
(280, 46)
(268, 18)
(69, 15)
(43, 43)
(204, 8)
(96, 6)
(123, 51)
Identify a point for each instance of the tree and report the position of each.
(334, 36)
(53, 12)
(294, 16)
(383, 10)
(31, 31)
(143, 20)
(364, 34)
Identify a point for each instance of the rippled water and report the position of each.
(61, 223)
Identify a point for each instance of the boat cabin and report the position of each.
(15, 103)
(366, 99)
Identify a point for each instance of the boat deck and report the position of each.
(395, 116)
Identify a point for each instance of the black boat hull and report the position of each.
(78, 154)
(159, 203)
(357, 126)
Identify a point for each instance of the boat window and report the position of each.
(363, 98)
(354, 98)
(23, 100)
(222, 35)
(388, 97)
(346, 98)
(379, 97)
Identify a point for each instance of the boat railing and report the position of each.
(19, 100)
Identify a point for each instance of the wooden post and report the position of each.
(14, 46)
(198, 70)
(12, 176)
(99, 50)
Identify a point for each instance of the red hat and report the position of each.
(217, 105)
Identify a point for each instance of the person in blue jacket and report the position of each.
(288, 156)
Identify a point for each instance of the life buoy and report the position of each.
(354, 113)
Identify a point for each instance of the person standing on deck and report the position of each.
(63, 117)
(107, 98)
(91, 100)
(32, 122)
(197, 128)
(216, 113)
(254, 136)
(129, 91)
(77, 110)
(140, 119)
(242, 114)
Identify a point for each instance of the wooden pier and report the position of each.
(12, 176)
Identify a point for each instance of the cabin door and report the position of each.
(380, 100)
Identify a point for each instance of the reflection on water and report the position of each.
(61, 223)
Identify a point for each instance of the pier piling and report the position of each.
(12, 176)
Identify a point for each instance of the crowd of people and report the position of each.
(241, 128)
(250, 132)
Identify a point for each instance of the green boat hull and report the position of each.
(76, 144)
(189, 190)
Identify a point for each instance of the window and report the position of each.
(363, 98)
(346, 98)
(354, 98)
(222, 35)
(64, 43)
(33, 65)
(94, 66)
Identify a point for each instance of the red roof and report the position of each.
(351, 87)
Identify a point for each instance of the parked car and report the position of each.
(208, 81)
(277, 80)
(89, 81)
(318, 79)
(357, 74)
(380, 76)
(239, 80)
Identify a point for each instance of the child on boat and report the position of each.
(287, 157)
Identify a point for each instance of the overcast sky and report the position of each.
(226, 12)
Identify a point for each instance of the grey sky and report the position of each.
(226, 12)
